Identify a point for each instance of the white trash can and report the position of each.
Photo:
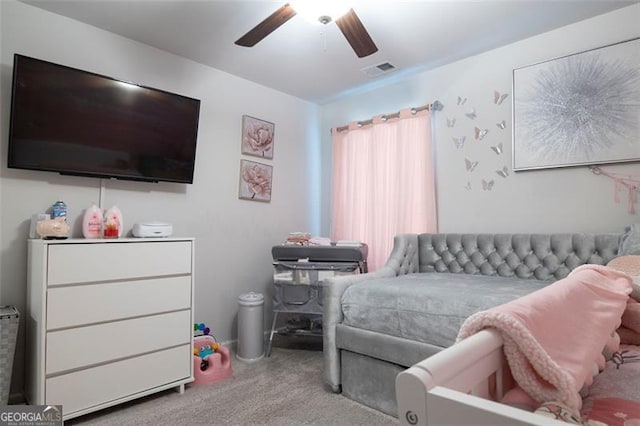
(250, 327)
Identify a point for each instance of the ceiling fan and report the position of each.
(349, 23)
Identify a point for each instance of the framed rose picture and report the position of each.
(255, 181)
(257, 137)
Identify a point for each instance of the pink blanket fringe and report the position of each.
(553, 337)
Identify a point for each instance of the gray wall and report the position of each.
(553, 200)
(233, 237)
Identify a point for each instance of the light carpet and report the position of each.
(284, 389)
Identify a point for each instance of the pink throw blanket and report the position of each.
(552, 337)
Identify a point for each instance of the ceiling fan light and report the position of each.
(317, 11)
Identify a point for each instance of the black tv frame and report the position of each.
(11, 161)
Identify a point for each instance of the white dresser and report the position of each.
(108, 320)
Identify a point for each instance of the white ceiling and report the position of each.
(315, 62)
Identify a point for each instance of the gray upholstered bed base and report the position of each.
(370, 363)
(364, 351)
(372, 390)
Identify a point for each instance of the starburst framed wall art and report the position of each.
(580, 109)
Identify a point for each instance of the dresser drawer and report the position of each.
(99, 385)
(93, 303)
(86, 346)
(93, 262)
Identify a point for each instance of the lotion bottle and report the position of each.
(113, 220)
(92, 222)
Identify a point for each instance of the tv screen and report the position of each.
(80, 123)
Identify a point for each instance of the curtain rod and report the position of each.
(435, 106)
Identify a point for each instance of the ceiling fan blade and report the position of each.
(356, 34)
(266, 27)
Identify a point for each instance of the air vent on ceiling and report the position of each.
(376, 70)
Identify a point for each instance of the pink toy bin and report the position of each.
(219, 367)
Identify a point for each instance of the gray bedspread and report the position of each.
(428, 307)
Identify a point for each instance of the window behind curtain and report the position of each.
(383, 182)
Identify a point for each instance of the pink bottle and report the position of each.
(113, 223)
(92, 222)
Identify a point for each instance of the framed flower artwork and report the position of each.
(257, 137)
(255, 181)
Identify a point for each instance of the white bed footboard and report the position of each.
(459, 386)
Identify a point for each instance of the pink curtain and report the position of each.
(383, 182)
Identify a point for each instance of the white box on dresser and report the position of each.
(108, 320)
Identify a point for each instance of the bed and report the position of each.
(470, 383)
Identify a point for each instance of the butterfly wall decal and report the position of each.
(497, 149)
(487, 186)
(470, 165)
(471, 114)
(504, 172)
(452, 122)
(461, 101)
(459, 142)
(502, 125)
(498, 97)
(480, 134)
(468, 186)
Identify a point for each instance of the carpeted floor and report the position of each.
(285, 389)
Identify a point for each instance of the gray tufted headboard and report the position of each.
(539, 256)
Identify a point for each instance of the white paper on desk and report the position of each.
(348, 243)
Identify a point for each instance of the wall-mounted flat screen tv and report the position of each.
(76, 122)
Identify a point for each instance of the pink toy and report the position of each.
(213, 367)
